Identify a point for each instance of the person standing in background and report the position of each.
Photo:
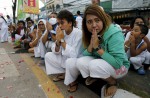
(3, 29)
(79, 20)
(9, 20)
(97, 2)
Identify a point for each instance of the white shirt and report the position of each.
(73, 44)
(79, 22)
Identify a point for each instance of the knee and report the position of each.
(49, 55)
(70, 63)
(134, 60)
(80, 64)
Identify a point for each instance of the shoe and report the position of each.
(141, 71)
(73, 87)
(90, 81)
(58, 78)
(105, 88)
(42, 62)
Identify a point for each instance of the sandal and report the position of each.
(109, 86)
(58, 78)
(90, 81)
(73, 87)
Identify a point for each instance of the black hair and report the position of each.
(28, 18)
(65, 14)
(8, 16)
(54, 13)
(78, 12)
(144, 29)
(133, 21)
(21, 21)
(31, 21)
(35, 27)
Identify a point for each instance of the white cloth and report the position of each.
(19, 36)
(40, 50)
(9, 21)
(89, 66)
(139, 59)
(55, 61)
(79, 22)
(49, 45)
(147, 54)
(3, 30)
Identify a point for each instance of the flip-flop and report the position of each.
(106, 88)
(74, 85)
(90, 81)
(58, 78)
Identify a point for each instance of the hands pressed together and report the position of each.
(94, 43)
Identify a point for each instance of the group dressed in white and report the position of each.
(91, 46)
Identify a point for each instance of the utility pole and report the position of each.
(14, 10)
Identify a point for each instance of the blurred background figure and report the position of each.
(3, 29)
(79, 20)
(9, 20)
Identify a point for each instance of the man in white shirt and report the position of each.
(79, 20)
(68, 44)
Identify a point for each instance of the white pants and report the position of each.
(54, 63)
(3, 34)
(137, 61)
(48, 45)
(147, 59)
(89, 66)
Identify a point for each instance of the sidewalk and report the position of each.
(20, 77)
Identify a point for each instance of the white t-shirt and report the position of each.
(79, 22)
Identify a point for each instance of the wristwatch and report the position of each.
(62, 40)
(100, 38)
(99, 47)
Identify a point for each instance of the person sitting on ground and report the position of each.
(21, 29)
(104, 56)
(67, 45)
(136, 47)
(135, 21)
(26, 38)
(37, 43)
(12, 31)
(49, 37)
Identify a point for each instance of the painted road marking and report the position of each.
(50, 89)
(7, 67)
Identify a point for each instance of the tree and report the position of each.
(14, 10)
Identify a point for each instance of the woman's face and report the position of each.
(93, 22)
(138, 21)
(41, 26)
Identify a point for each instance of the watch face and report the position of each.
(100, 38)
(62, 40)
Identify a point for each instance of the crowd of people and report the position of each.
(91, 45)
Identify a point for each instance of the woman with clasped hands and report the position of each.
(104, 56)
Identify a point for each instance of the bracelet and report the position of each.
(127, 46)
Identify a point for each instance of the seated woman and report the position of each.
(104, 56)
